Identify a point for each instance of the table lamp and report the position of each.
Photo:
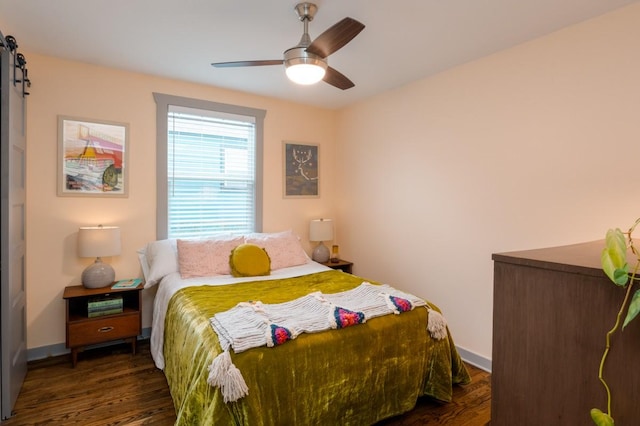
(320, 230)
(98, 241)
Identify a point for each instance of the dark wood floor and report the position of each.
(110, 386)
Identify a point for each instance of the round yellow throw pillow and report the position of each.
(249, 260)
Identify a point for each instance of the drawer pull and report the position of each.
(105, 329)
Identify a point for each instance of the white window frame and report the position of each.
(162, 110)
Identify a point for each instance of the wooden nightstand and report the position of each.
(81, 330)
(343, 265)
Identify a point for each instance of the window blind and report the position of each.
(211, 172)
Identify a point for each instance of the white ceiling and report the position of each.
(404, 40)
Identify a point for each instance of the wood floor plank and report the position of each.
(110, 386)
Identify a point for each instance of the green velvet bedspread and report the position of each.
(353, 376)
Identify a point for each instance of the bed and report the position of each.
(356, 375)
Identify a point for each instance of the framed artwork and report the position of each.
(301, 170)
(92, 158)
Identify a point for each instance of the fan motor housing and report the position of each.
(299, 55)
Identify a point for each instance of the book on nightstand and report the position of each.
(93, 314)
(107, 305)
(128, 283)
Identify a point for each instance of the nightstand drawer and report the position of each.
(98, 330)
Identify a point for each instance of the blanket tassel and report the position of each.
(436, 325)
(227, 377)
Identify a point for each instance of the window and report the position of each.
(209, 168)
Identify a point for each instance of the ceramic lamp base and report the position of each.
(98, 275)
(320, 253)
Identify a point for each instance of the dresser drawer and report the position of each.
(98, 330)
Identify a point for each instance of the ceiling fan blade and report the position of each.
(335, 37)
(337, 79)
(247, 63)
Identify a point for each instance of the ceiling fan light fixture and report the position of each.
(306, 63)
(305, 73)
(303, 67)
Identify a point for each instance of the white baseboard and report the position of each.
(474, 359)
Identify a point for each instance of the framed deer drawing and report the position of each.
(301, 170)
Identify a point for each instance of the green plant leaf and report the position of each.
(616, 237)
(600, 418)
(634, 308)
(614, 257)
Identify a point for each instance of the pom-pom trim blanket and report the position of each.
(255, 324)
(352, 376)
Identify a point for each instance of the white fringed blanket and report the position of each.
(254, 324)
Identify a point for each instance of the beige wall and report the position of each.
(531, 147)
(425, 182)
(80, 90)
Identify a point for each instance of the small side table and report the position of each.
(343, 265)
(82, 330)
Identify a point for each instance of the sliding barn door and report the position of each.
(13, 325)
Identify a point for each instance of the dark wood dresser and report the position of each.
(552, 309)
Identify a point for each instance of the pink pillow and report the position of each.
(204, 258)
(283, 248)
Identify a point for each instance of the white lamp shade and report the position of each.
(321, 230)
(99, 241)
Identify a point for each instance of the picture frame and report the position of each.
(92, 158)
(301, 170)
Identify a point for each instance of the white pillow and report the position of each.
(161, 259)
(284, 248)
(142, 258)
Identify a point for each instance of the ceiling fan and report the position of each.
(306, 63)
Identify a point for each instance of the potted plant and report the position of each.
(615, 265)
